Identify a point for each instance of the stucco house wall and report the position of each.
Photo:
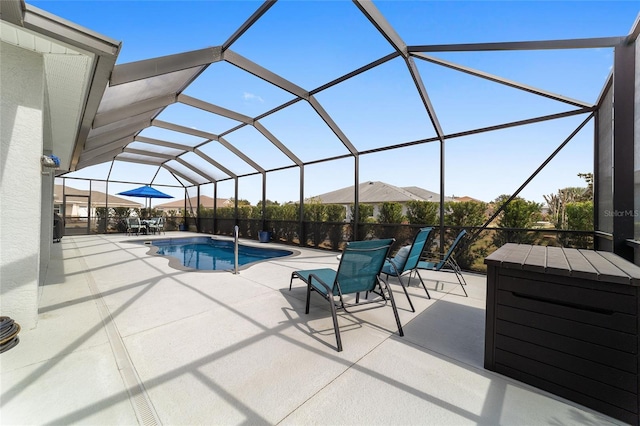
(21, 134)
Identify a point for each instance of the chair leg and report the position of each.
(395, 309)
(456, 270)
(335, 323)
(406, 293)
(306, 309)
(458, 276)
(293, 275)
(422, 282)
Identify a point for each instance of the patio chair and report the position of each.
(358, 271)
(156, 225)
(447, 263)
(406, 260)
(133, 225)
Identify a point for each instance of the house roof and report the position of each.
(466, 198)
(97, 197)
(378, 192)
(425, 194)
(192, 202)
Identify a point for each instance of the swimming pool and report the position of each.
(208, 254)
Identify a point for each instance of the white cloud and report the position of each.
(250, 96)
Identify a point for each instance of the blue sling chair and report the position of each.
(358, 271)
(447, 262)
(406, 261)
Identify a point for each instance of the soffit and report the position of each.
(76, 65)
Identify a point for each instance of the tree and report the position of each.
(518, 214)
(241, 202)
(572, 209)
(365, 219)
(121, 214)
(465, 213)
(390, 212)
(557, 203)
(102, 213)
(314, 210)
(335, 213)
(422, 212)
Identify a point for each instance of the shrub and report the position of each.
(422, 212)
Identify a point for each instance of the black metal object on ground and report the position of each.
(9, 330)
(566, 321)
(58, 228)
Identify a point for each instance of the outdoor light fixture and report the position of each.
(50, 161)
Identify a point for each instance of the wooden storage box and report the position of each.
(566, 321)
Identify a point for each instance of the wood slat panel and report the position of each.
(601, 354)
(579, 266)
(588, 298)
(557, 262)
(516, 256)
(629, 268)
(606, 270)
(498, 256)
(589, 387)
(614, 339)
(536, 260)
(625, 323)
(571, 394)
(575, 364)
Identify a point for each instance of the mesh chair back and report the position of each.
(360, 265)
(451, 249)
(417, 248)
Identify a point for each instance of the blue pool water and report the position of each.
(205, 253)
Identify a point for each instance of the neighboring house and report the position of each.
(192, 204)
(77, 201)
(466, 198)
(376, 193)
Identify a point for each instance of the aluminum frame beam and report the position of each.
(206, 106)
(196, 170)
(264, 74)
(378, 20)
(115, 146)
(139, 161)
(166, 144)
(584, 43)
(503, 81)
(248, 23)
(214, 163)
(134, 71)
(148, 153)
(138, 108)
(184, 129)
(177, 173)
(332, 125)
(267, 134)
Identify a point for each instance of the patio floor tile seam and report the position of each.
(138, 397)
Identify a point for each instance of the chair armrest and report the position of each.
(393, 265)
(327, 288)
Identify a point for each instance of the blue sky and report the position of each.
(311, 43)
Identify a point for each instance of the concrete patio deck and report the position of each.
(122, 338)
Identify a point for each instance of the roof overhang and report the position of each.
(78, 64)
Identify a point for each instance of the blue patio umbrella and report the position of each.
(145, 192)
